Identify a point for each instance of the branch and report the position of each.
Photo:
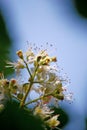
(46, 95)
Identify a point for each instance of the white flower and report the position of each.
(53, 122)
(30, 56)
(42, 53)
(43, 111)
(68, 97)
(16, 65)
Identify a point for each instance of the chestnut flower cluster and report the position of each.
(43, 79)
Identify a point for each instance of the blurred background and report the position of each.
(62, 23)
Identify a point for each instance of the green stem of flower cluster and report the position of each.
(46, 95)
(16, 98)
(22, 103)
(24, 98)
(27, 68)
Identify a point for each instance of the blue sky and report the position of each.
(56, 22)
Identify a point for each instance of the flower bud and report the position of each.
(20, 95)
(54, 59)
(60, 96)
(39, 58)
(20, 54)
(13, 82)
(5, 83)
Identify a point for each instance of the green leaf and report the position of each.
(15, 118)
(5, 45)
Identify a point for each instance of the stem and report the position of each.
(22, 103)
(42, 82)
(36, 82)
(35, 71)
(16, 98)
(24, 98)
(37, 99)
(58, 128)
(27, 68)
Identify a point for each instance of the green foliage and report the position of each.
(63, 118)
(81, 6)
(5, 45)
(86, 123)
(15, 118)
